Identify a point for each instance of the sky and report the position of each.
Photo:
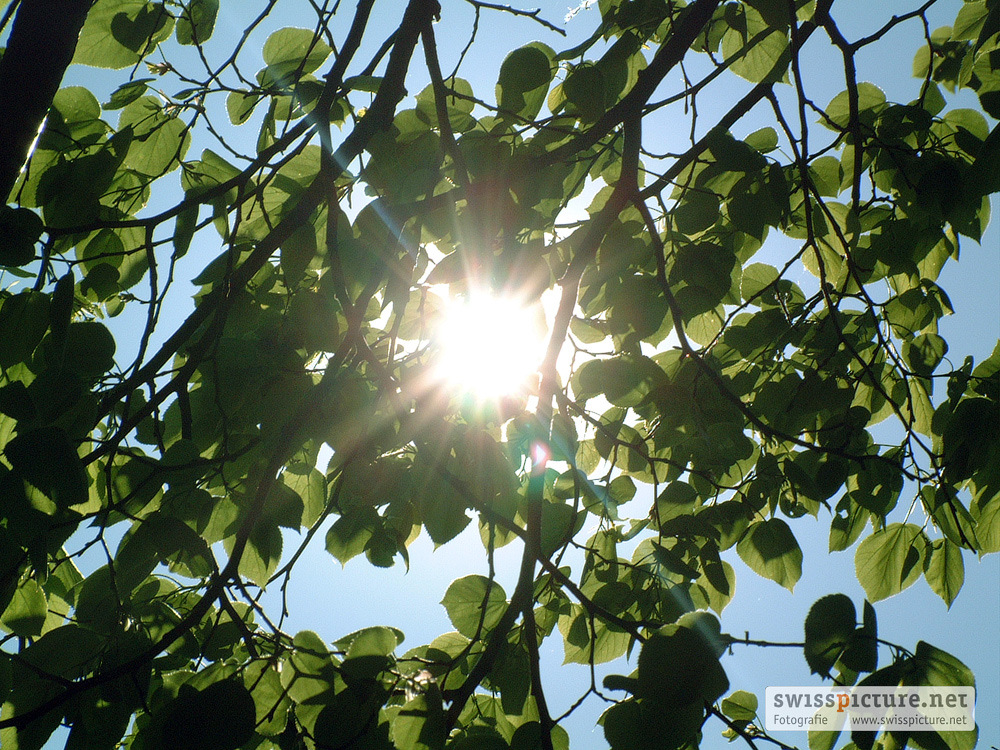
(335, 600)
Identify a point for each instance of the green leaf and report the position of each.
(474, 605)
(308, 671)
(20, 229)
(829, 626)
(119, 33)
(262, 553)
(126, 94)
(90, 349)
(944, 569)
(673, 562)
(671, 730)
(758, 51)
(159, 140)
(420, 723)
(367, 83)
(623, 724)
(442, 509)
(240, 106)
(923, 353)
(369, 651)
(160, 538)
(819, 740)
(870, 97)
(677, 499)
(97, 602)
(310, 485)
(24, 319)
(70, 192)
(197, 21)
(264, 683)
(349, 717)
(679, 665)
(847, 524)
(970, 20)
(861, 654)
(716, 586)
(99, 724)
(708, 628)
(46, 459)
(890, 560)
(988, 523)
(219, 717)
(621, 682)
(374, 641)
(524, 79)
(740, 706)
(581, 646)
(293, 51)
(696, 212)
(558, 523)
(756, 278)
(764, 140)
(25, 615)
(934, 667)
(184, 228)
(769, 548)
(636, 725)
(584, 89)
(985, 172)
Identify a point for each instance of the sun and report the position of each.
(489, 346)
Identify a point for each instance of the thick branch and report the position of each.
(41, 46)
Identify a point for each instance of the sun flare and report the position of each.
(489, 346)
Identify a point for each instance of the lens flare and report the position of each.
(489, 346)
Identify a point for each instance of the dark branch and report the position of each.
(41, 46)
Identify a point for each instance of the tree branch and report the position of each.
(693, 19)
(41, 46)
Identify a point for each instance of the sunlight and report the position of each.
(490, 346)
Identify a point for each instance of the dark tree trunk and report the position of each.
(40, 48)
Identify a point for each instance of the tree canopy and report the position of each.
(741, 332)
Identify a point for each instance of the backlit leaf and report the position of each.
(740, 706)
(770, 549)
(890, 560)
(159, 140)
(525, 75)
(26, 612)
(474, 604)
(197, 21)
(924, 352)
(293, 50)
(870, 97)
(944, 569)
(118, 33)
